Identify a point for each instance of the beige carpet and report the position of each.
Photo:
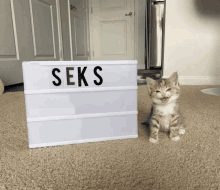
(191, 163)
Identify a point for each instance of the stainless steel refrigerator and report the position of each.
(155, 16)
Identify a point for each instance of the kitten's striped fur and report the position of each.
(165, 114)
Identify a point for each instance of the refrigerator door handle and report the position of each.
(157, 18)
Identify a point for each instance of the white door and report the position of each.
(11, 44)
(74, 26)
(43, 29)
(28, 32)
(112, 29)
(78, 30)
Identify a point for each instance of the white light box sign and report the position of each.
(71, 102)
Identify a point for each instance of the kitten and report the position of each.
(165, 114)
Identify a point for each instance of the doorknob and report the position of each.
(130, 14)
(72, 7)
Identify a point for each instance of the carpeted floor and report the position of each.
(191, 163)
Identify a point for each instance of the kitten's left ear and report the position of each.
(150, 83)
(174, 78)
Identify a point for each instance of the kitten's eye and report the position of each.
(157, 91)
(168, 89)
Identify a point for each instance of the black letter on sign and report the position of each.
(95, 72)
(81, 76)
(68, 76)
(53, 73)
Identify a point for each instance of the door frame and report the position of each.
(61, 48)
(89, 31)
(59, 31)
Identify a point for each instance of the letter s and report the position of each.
(95, 72)
(53, 73)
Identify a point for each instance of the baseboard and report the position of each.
(198, 80)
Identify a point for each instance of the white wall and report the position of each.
(192, 41)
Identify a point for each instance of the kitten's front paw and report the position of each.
(182, 131)
(175, 138)
(153, 140)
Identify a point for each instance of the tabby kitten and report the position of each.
(165, 113)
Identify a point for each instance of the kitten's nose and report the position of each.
(165, 98)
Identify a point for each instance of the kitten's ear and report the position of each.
(174, 78)
(150, 83)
